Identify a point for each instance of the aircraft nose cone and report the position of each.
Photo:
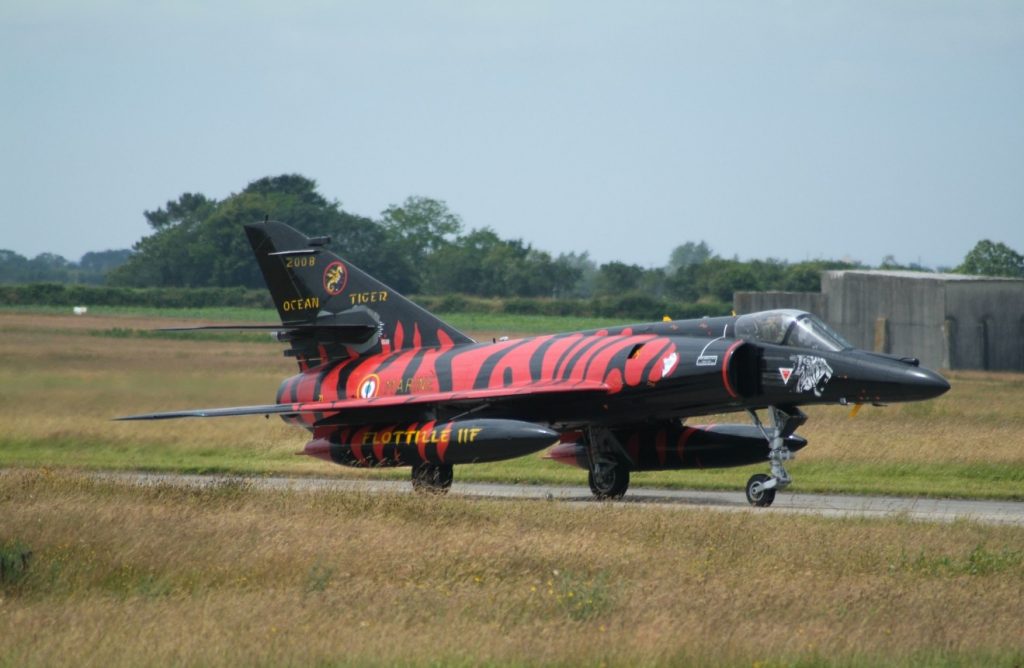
(925, 383)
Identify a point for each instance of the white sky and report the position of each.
(769, 129)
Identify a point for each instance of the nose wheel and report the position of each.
(757, 494)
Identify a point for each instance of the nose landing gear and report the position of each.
(785, 420)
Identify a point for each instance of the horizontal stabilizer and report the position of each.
(272, 328)
(352, 327)
(267, 409)
(562, 388)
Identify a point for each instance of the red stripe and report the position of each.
(356, 444)
(614, 381)
(725, 369)
(517, 359)
(599, 366)
(635, 367)
(399, 336)
(443, 442)
(421, 445)
(552, 355)
(378, 447)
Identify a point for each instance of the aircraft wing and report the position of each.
(328, 408)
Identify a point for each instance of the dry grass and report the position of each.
(229, 575)
(981, 419)
(59, 387)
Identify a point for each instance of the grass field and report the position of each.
(230, 575)
(64, 377)
(99, 572)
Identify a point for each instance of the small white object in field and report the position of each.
(80, 310)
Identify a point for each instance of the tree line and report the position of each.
(92, 269)
(421, 247)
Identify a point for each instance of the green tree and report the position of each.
(482, 263)
(615, 278)
(189, 208)
(467, 266)
(417, 229)
(12, 267)
(688, 254)
(576, 275)
(425, 224)
(102, 262)
(166, 257)
(989, 258)
(719, 278)
(806, 276)
(197, 242)
(48, 267)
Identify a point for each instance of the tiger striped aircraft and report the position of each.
(382, 382)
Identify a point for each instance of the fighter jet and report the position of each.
(382, 382)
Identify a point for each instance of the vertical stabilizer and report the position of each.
(308, 282)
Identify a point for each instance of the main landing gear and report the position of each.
(785, 420)
(432, 478)
(608, 475)
(608, 480)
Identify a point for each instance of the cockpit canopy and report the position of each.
(798, 329)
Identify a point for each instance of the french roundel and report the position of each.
(335, 278)
(368, 387)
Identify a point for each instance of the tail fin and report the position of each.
(310, 283)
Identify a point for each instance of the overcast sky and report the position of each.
(793, 130)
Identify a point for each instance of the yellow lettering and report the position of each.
(305, 304)
(298, 262)
(473, 433)
(368, 297)
(369, 437)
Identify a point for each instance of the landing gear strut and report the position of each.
(432, 478)
(609, 472)
(785, 420)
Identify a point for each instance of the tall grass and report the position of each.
(228, 575)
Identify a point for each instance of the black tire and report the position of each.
(612, 484)
(765, 497)
(432, 478)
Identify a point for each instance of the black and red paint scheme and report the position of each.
(383, 382)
